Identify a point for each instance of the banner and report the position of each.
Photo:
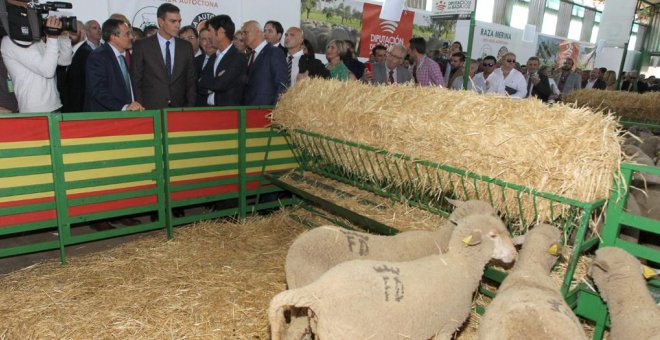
(615, 22)
(495, 40)
(554, 50)
(376, 31)
(453, 7)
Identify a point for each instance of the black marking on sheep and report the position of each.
(398, 284)
(384, 268)
(361, 239)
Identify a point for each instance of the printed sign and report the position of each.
(453, 7)
(376, 31)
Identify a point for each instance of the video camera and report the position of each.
(27, 21)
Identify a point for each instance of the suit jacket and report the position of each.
(573, 82)
(228, 81)
(73, 99)
(598, 85)
(380, 74)
(153, 89)
(202, 93)
(267, 77)
(105, 90)
(542, 90)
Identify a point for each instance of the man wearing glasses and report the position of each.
(568, 81)
(390, 70)
(489, 81)
(514, 81)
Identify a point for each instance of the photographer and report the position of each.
(32, 67)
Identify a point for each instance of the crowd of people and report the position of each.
(113, 66)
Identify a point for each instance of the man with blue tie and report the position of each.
(108, 83)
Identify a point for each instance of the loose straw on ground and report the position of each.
(569, 152)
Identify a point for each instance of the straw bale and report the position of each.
(574, 153)
(629, 105)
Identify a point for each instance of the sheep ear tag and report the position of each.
(472, 239)
(554, 249)
(649, 272)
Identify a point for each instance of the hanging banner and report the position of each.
(554, 50)
(142, 13)
(453, 7)
(496, 40)
(615, 22)
(376, 31)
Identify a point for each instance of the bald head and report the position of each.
(293, 40)
(252, 34)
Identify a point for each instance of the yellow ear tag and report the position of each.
(467, 240)
(649, 272)
(554, 249)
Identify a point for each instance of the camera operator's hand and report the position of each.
(53, 22)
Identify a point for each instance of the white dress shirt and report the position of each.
(295, 68)
(123, 54)
(161, 42)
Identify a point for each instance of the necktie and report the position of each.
(391, 77)
(168, 59)
(206, 60)
(529, 86)
(289, 64)
(415, 73)
(124, 73)
(251, 61)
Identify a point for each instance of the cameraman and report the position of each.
(32, 67)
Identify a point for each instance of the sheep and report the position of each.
(316, 251)
(528, 302)
(633, 312)
(419, 299)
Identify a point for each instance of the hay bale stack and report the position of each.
(628, 105)
(569, 152)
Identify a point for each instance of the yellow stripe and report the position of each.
(94, 156)
(19, 181)
(109, 187)
(201, 133)
(257, 129)
(20, 145)
(273, 167)
(21, 162)
(106, 139)
(206, 146)
(108, 172)
(204, 175)
(259, 156)
(252, 142)
(203, 161)
(26, 197)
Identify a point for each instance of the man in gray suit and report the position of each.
(568, 81)
(163, 66)
(390, 70)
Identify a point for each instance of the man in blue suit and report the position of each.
(268, 73)
(225, 76)
(108, 83)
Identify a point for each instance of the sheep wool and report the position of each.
(633, 312)
(419, 299)
(528, 301)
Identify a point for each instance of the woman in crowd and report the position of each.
(610, 80)
(514, 82)
(333, 52)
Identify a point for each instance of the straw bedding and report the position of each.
(569, 152)
(628, 105)
(213, 281)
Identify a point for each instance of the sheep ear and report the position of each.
(473, 239)
(518, 240)
(555, 249)
(602, 265)
(455, 203)
(649, 272)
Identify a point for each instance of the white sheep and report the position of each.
(316, 251)
(528, 304)
(633, 312)
(420, 299)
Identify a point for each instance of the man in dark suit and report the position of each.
(225, 77)
(163, 66)
(273, 32)
(204, 63)
(389, 71)
(267, 68)
(74, 101)
(109, 86)
(594, 82)
(538, 84)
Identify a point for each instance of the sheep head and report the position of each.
(541, 245)
(475, 230)
(612, 263)
(466, 208)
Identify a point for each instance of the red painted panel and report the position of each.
(258, 118)
(112, 191)
(215, 190)
(27, 202)
(112, 205)
(181, 121)
(23, 129)
(106, 127)
(30, 217)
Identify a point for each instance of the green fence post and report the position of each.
(57, 161)
(162, 179)
(242, 163)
